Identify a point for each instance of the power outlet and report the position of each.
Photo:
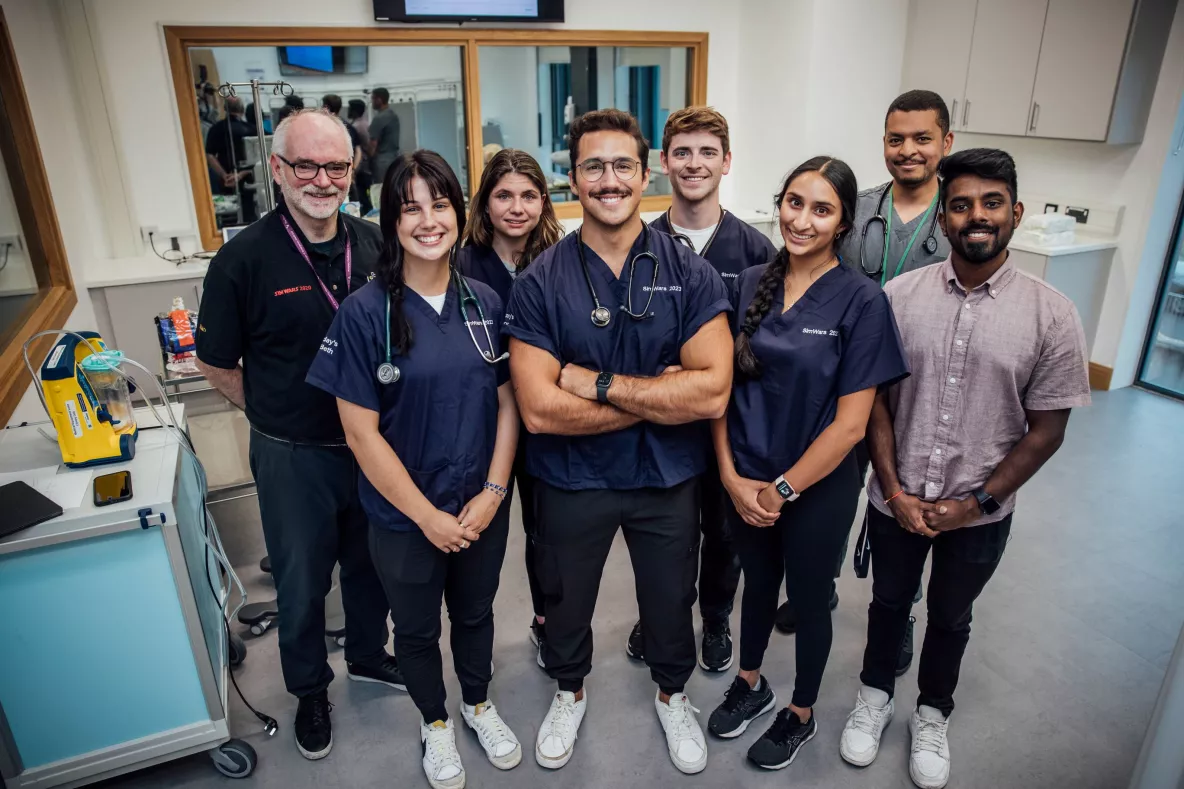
(1080, 214)
(11, 243)
(1052, 208)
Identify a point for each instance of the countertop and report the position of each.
(1084, 243)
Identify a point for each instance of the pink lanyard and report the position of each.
(349, 262)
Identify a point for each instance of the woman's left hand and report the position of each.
(770, 499)
(480, 510)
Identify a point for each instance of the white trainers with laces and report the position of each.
(929, 764)
(557, 736)
(861, 736)
(500, 744)
(684, 737)
(441, 762)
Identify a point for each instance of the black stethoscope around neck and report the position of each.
(601, 316)
(685, 240)
(929, 244)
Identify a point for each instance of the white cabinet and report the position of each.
(937, 52)
(1003, 56)
(1080, 59)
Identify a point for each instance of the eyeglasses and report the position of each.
(593, 169)
(306, 171)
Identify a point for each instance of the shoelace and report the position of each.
(931, 735)
(865, 717)
(563, 713)
(714, 638)
(440, 747)
(492, 724)
(682, 718)
(734, 696)
(781, 730)
(318, 713)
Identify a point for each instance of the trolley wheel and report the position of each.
(237, 651)
(234, 759)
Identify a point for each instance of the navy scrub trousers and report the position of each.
(313, 519)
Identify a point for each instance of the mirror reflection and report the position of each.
(18, 281)
(392, 98)
(530, 95)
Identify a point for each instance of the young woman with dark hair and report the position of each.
(814, 340)
(414, 361)
(512, 221)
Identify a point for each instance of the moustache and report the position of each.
(902, 162)
(614, 191)
(979, 229)
(318, 192)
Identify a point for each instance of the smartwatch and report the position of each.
(986, 502)
(785, 489)
(603, 382)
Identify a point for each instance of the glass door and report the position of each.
(1163, 357)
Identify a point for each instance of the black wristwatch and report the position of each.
(986, 502)
(603, 382)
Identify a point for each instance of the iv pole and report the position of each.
(226, 90)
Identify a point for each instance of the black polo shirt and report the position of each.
(263, 305)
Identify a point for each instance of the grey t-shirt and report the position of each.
(384, 130)
(865, 208)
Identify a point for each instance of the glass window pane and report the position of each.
(425, 110)
(529, 95)
(1163, 366)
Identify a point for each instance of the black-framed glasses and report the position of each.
(306, 171)
(593, 169)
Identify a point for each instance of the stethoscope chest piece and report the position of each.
(388, 373)
(601, 317)
(930, 245)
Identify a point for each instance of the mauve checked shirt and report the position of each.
(978, 360)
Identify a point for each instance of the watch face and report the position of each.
(604, 379)
(784, 489)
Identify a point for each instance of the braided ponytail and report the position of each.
(758, 308)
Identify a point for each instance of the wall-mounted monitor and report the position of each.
(468, 10)
(310, 61)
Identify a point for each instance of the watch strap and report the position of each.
(786, 490)
(603, 382)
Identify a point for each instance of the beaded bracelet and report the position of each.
(498, 489)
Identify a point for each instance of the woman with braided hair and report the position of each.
(814, 340)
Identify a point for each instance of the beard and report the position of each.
(913, 180)
(980, 252)
(297, 199)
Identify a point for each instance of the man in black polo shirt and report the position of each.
(270, 295)
(225, 153)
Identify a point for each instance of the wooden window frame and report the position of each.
(25, 167)
(180, 39)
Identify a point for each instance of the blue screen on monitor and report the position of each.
(314, 58)
(523, 8)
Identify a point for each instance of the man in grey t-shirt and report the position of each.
(384, 134)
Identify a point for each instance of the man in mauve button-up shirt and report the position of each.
(998, 359)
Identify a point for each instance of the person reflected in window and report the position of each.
(226, 156)
(363, 177)
(384, 134)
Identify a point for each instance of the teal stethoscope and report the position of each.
(388, 373)
(929, 245)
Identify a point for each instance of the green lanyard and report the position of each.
(888, 238)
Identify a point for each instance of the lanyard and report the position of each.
(888, 238)
(349, 262)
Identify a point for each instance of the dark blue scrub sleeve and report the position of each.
(346, 366)
(872, 354)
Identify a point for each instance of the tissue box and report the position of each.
(1028, 236)
(1049, 223)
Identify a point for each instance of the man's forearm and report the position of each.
(558, 413)
(671, 399)
(881, 445)
(228, 382)
(1031, 452)
(216, 165)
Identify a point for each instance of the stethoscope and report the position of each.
(685, 240)
(600, 315)
(388, 373)
(929, 245)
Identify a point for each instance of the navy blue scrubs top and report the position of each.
(440, 417)
(838, 339)
(737, 246)
(483, 265)
(551, 308)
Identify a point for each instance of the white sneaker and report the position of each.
(500, 744)
(557, 736)
(441, 762)
(684, 738)
(929, 765)
(861, 736)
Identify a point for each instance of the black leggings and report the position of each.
(802, 547)
(525, 485)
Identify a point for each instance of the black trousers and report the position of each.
(417, 576)
(526, 485)
(801, 547)
(963, 561)
(576, 530)
(719, 566)
(312, 520)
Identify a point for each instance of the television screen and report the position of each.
(306, 61)
(468, 10)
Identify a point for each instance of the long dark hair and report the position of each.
(842, 180)
(396, 191)
(480, 231)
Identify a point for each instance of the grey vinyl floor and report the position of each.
(1071, 640)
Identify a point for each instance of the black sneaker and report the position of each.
(538, 637)
(741, 706)
(787, 618)
(384, 672)
(905, 659)
(716, 652)
(635, 646)
(314, 730)
(779, 746)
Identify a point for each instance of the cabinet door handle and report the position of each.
(966, 113)
(1034, 117)
(954, 114)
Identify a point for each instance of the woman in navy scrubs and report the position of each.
(414, 361)
(814, 340)
(512, 222)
